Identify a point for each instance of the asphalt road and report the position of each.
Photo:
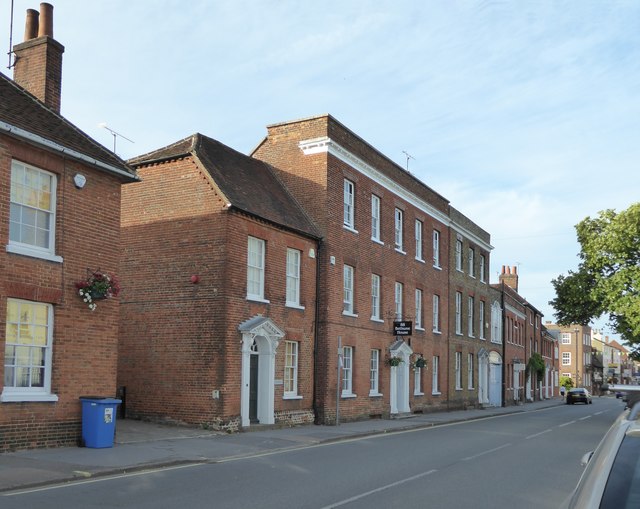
(524, 460)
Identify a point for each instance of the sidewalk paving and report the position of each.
(142, 445)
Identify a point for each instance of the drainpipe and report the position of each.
(315, 333)
(504, 349)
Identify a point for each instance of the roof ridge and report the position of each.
(67, 122)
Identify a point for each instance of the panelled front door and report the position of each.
(253, 389)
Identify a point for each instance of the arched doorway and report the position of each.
(399, 379)
(260, 339)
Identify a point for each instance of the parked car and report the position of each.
(619, 394)
(609, 480)
(578, 395)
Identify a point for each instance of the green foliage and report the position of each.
(535, 365)
(566, 382)
(608, 277)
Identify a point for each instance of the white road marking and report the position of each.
(378, 490)
(538, 434)
(566, 424)
(486, 452)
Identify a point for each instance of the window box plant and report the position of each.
(394, 361)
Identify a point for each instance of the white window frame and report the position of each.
(419, 249)
(417, 382)
(459, 255)
(435, 382)
(398, 229)
(348, 290)
(436, 249)
(566, 338)
(459, 313)
(483, 268)
(347, 371)
(375, 298)
(471, 316)
(472, 262)
(19, 205)
(374, 373)
(291, 357)
(11, 392)
(256, 249)
(349, 219)
(418, 304)
(375, 218)
(294, 257)
(399, 289)
(470, 371)
(566, 358)
(481, 321)
(436, 313)
(458, 370)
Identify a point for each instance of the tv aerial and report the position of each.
(115, 135)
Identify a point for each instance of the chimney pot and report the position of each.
(31, 25)
(503, 270)
(515, 269)
(46, 22)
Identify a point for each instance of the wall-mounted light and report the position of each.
(79, 180)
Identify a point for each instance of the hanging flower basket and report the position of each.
(420, 363)
(394, 361)
(98, 285)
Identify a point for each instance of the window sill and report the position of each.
(348, 395)
(377, 320)
(420, 260)
(293, 396)
(437, 393)
(375, 395)
(349, 229)
(437, 267)
(377, 241)
(421, 329)
(352, 315)
(418, 393)
(294, 306)
(472, 276)
(438, 332)
(255, 298)
(34, 253)
(399, 250)
(26, 397)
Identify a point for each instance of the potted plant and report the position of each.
(96, 286)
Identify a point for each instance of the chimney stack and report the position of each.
(509, 276)
(38, 60)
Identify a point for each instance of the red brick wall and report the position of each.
(84, 342)
(179, 340)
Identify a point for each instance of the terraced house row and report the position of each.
(312, 278)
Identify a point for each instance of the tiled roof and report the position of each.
(20, 109)
(249, 184)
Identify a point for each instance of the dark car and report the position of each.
(610, 478)
(579, 395)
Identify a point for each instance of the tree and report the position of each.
(608, 277)
(566, 382)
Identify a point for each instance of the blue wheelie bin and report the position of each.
(98, 421)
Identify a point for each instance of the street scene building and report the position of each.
(60, 225)
(314, 280)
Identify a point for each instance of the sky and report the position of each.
(524, 114)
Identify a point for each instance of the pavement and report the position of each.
(140, 445)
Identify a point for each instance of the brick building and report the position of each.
(217, 317)
(59, 216)
(575, 353)
(469, 312)
(525, 337)
(385, 257)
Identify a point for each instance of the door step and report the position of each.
(402, 415)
